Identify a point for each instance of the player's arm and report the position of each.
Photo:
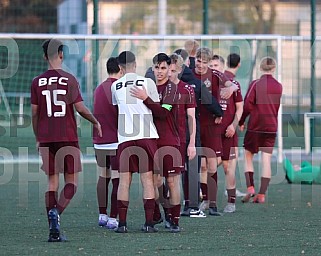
(209, 101)
(85, 113)
(230, 130)
(160, 111)
(249, 103)
(230, 87)
(34, 114)
(191, 150)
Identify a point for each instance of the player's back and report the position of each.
(55, 92)
(135, 120)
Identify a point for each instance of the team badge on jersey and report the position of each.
(207, 83)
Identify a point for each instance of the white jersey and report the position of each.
(135, 120)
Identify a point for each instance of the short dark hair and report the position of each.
(126, 57)
(52, 47)
(219, 58)
(233, 60)
(161, 57)
(182, 52)
(112, 66)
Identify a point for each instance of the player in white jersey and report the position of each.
(137, 136)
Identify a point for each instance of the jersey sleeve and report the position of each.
(74, 94)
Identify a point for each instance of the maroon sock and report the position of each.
(231, 195)
(122, 212)
(204, 191)
(102, 194)
(185, 180)
(264, 185)
(65, 197)
(249, 179)
(149, 206)
(212, 189)
(51, 200)
(113, 204)
(175, 211)
(157, 213)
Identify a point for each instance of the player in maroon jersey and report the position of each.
(106, 146)
(210, 125)
(262, 102)
(168, 142)
(184, 112)
(54, 95)
(233, 108)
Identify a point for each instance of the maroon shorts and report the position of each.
(107, 158)
(259, 141)
(229, 145)
(211, 141)
(137, 155)
(60, 157)
(170, 161)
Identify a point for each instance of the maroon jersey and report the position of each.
(186, 100)
(228, 106)
(164, 119)
(55, 92)
(106, 113)
(212, 83)
(262, 102)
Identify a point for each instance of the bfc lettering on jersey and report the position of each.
(52, 80)
(120, 85)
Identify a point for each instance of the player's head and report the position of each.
(268, 65)
(217, 62)
(203, 57)
(161, 63)
(112, 66)
(176, 67)
(52, 49)
(191, 47)
(127, 61)
(233, 60)
(184, 54)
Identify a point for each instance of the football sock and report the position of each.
(113, 204)
(212, 185)
(51, 200)
(122, 212)
(231, 195)
(175, 213)
(66, 194)
(264, 185)
(249, 179)
(204, 190)
(102, 194)
(149, 206)
(157, 213)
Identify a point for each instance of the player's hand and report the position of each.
(242, 127)
(139, 93)
(99, 131)
(230, 131)
(191, 151)
(37, 145)
(227, 92)
(218, 120)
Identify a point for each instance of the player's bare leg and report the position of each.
(175, 201)
(212, 164)
(229, 167)
(102, 194)
(125, 179)
(149, 200)
(265, 177)
(249, 175)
